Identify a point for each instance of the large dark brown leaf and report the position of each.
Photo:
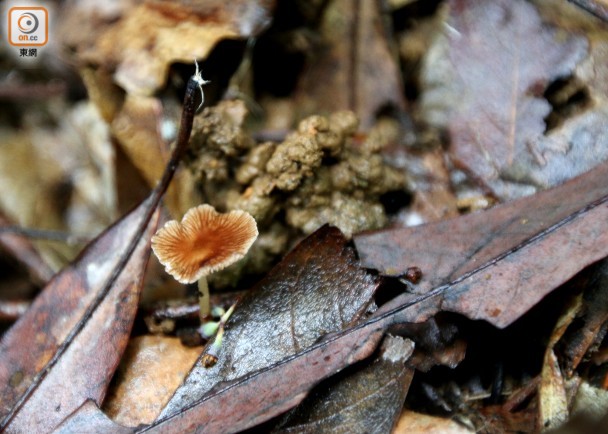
(317, 289)
(507, 269)
(78, 328)
(448, 249)
(368, 400)
(64, 351)
(270, 392)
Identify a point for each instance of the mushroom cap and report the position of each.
(204, 241)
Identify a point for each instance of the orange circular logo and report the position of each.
(27, 23)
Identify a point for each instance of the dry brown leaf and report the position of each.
(149, 372)
(137, 126)
(59, 178)
(447, 249)
(552, 402)
(27, 187)
(137, 41)
(520, 247)
(411, 422)
(354, 67)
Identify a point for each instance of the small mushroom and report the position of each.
(204, 242)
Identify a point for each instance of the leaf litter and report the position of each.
(317, 289)
(64, 338)
(102, 291)
(494, 265)
(454, 250)
(407, 308)
(367, 400)
(92, 357)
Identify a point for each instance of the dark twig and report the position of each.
(189, 309)
(353, 75)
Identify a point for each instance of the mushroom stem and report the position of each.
(204, 298)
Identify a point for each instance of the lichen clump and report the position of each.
(321, 173)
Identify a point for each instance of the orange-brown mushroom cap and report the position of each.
(204, 242)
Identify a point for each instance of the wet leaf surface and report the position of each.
(317, 289)
(364, 399)
(32, 375)
(262, 395)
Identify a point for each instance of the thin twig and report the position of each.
(23, 251)
(45, 234)
(189, 309)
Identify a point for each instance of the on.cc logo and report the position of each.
(28, 23)
(28, 26)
